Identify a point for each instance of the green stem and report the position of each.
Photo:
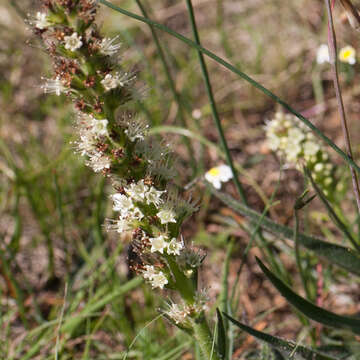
(213, 104)
(204, 338)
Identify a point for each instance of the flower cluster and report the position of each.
(116, 143)
(291, 139)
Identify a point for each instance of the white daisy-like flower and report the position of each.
(174, 247)
(149, 272)
(158, 244)
(55, 86)
(110, 82)
(218, 174)
(73, 42)
(166, 216)
(41, 21)
(159, 280)
(99, 127)
(322, 54)
(137, 191)
(347, 55)
(153, 196)
(110, 46)
(98, 162)
(122, 203)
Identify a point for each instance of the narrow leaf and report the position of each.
(221, 336)
(285, 346)
(336, 254)
(312, 311)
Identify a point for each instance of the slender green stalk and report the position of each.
(19, 295)
(297, 254)
(171, 82)
(335, 74)
(213, 106)
(245, 77)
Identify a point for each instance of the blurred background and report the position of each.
(56, 259)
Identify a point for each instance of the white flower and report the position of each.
(98, 162)
(166, 216)
(159, 280)
(292, 150)
(73, 42)
(122, 203)
(137, 191)
(174, 247)
(54, 86)
(110, 82)
(109, 46)
(311, 148)
(158, 244)
(149, 272)
(153, 196)
(322, 55)
(296, 135)
(120, 225)
(41, 21)
(135, 214)
(86, 145)
(273, 141)
(319, 167)
(348, 55)
(99, 127)
(177, 313)
(217, 175)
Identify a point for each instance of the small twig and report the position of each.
(333, 60)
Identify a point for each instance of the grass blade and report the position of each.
(312, 311)
(336, 254)
(285, 346)
(221, 336)
(343, 228)
(213, 106)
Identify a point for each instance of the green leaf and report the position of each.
(336, 254)
(284, 346)
(331, 211)
(312, 311)
(221, 336)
